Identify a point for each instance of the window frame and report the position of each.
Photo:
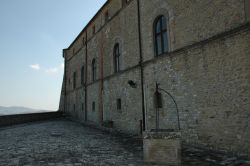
(160, 34)
(116, 58)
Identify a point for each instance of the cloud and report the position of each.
(35, 66)
(55, 70)
(62, 65)
(52, 70)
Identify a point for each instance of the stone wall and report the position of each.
(101, 45)
(126, 119)
(210, 83)
(206, 70)
(62, 97)
(189, 22)
(9, 120)
(93, 97)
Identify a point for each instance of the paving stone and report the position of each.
(33, 144)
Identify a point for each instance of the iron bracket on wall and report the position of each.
(158, 104)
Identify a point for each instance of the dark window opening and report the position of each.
(119, 104)
(116, 58)
(161, 35)
(93, 30)
(94, 70)
(93, 106)
(106, 16)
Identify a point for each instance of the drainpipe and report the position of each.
(141, 65)
(101, 82)
(86, 72)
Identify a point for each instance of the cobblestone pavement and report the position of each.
(61, 142)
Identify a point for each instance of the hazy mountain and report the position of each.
(19, 110)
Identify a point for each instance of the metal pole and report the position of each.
(157, 110)
(140, 63)
(177, 110)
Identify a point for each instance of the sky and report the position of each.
(32, 36)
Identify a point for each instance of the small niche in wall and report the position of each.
(93, 106)
(119, 104)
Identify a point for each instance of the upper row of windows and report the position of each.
(161, 46)
(106, 18)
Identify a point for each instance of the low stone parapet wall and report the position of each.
(8, 120)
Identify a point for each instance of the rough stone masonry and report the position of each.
(199, 51)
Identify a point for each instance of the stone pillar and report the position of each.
(162, 147)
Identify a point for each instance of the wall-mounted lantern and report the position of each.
(132, 84)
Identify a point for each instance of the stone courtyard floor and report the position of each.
(62, 142)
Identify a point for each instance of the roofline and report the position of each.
(93, 18)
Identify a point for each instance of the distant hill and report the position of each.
(19, 110)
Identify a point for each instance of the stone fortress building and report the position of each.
(198, 51)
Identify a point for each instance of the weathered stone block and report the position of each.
(162, 147)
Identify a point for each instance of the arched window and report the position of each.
(116, 58)
(161, 35)
(93, 69)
